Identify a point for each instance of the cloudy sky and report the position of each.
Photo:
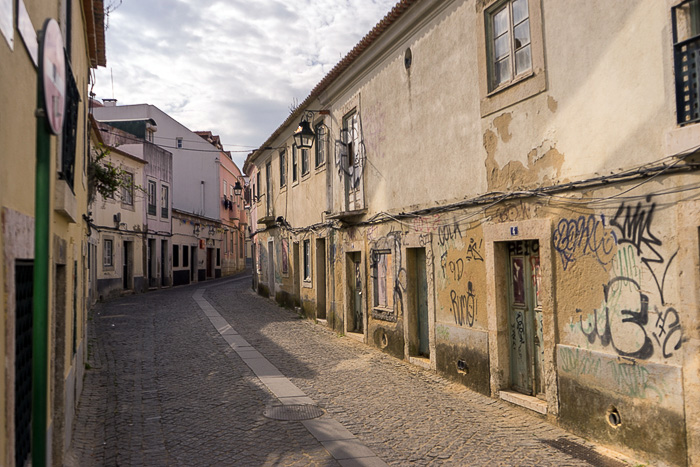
(230, 66)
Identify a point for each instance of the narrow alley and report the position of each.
(199, 375)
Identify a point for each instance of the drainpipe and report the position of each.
(41, 290)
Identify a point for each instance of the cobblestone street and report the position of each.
(185, 376)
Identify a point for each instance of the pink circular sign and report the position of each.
(53, 75)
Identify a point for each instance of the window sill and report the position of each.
(517, 80)
(267, 220)
(65, 202)
(683, 140)
(514, 92)
(308, 284)
(346, 215)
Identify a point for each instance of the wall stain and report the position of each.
(501, 123)
(542, 168)
(552, 104)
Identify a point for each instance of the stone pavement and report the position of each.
(186, 376)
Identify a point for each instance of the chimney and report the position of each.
(109, 102)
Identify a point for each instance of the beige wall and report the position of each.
(68, 231)
(462, 174)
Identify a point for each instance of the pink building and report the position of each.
(232, 212)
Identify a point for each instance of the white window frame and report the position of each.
(511, 46)
(164, 201)
(526, 84)
(128, 189)
(108, 253)
(152, 190)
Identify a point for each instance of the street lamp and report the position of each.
(237, 188)
(304, 136)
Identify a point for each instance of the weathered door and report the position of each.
(271, 267)
(525, 318)
(421, 290)
(321, 279)
(355, 322)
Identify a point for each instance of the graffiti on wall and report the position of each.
(627, 321)
(634, 224)
(583, 236)
(628, 377)
(628, 325)
(463, 306)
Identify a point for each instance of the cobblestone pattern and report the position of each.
(405, 414)
(166, 389)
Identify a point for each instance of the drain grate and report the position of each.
(581, 452)
(293, 412)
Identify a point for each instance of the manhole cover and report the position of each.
(293, 412)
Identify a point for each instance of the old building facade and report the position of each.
(131, 229)
(485, 202)
(197, 251)
(44, 231)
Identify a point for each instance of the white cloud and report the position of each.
(229, 66)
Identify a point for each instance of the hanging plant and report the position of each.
(104, 177)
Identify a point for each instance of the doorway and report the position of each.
(126, 265)
(525, 318)
(193, 264)
(355, 315)
(297, 274)
(271, 267)
(24, 282)
(151, 262)
(210, 263)
(164, 282)
(417, 288)
(321, 278)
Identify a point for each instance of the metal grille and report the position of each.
(70, 128)
(293, 412)
(24, 281)
(687, 62)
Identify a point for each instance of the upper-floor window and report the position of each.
(321, 146)
(294, 164)
(164, 201)
(178, 143)
(225, 190)
(152, 197)
(150, 135)
(259, 177)
(304, 161)
(283, 168)
(510, 53)
(128, 189)
(686, 52)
